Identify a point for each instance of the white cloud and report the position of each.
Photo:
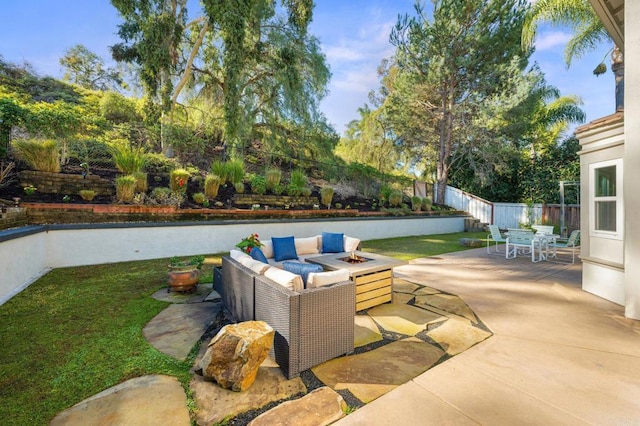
(551, 40)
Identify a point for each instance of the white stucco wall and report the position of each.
(63, 246)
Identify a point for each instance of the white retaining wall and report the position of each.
(24, 258)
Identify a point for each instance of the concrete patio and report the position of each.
(558, 355)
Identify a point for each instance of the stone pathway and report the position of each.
(394, 343)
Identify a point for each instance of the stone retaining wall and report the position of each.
(63, 183)
(13, 218)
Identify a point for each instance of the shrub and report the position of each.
(141, 181)
(273, 177)
(218, 168)
(87, 194)
(425, 204)
(199, 198)
(212, 185)
(326, 195)
(395, 198)
(239, 186)
(294, 190)
(258, 185)
(298, 179)
(125, 188)
(128, 159)
(42, 155)
(385, 192)
(416, 202)
(90, 150)
(161, 194)
(235, 171)
(278, 189)
(178, 180)
(159, 164)
(338, 206)
(306, 191)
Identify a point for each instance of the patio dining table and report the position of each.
(539, 246)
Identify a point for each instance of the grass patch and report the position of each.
(78, 331)
(407, 248)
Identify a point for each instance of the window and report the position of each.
(606, 199)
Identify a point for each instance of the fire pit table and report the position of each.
(372, 273)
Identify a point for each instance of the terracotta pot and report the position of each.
(183, 278)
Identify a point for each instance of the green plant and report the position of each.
(416, 201)
(141, 181)
(205, 203)
(273, 177)
(158, 163)
(326, 195)
(218, 168)
(66, 198)
(196, 261)
(239, 186)
(258, 185)
(87, 194)
(338, 206)
(127, 158)
(298, 179)
(212, 184)
(425, 204)
(278, 189)
(199, 198)
(294, 190)
(178, 180)
(306, 191)
(125, 188)
(235, 171)
(30, 189)
(161, 194)
(42, 155)
(395, 198)
(247, 244)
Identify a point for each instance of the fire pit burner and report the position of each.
(354, 259)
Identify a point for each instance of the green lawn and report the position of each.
(77, 331)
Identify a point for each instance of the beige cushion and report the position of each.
(255, 265)
(236, 254)
(285, 278)
(319, 279)
(267, 248)
(307, 245)
(351, 243)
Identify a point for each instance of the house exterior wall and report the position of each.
(603, 272)
(632, 160)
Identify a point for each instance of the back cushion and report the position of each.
(285, 278)
(255, 265)
(267, 248)
(237, 255)
(284, 248)
(307, 245)
(302, 269)
(351, 244)
(319, 279)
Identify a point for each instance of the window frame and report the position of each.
(618, 198)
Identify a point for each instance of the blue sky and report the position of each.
(354, 35)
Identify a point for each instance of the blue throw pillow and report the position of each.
(332, 243)
(284, 248)
(302, 269)
(257, 254)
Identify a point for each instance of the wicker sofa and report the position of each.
(312, 325)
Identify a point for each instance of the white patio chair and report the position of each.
(495, 236)
(572, 243)
(521, 241)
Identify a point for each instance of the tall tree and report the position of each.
(86, 69)
(463, 54)
(579, 15)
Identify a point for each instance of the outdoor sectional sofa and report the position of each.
(312, 325)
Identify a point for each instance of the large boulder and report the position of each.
(235, 354)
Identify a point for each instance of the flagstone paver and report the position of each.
(456, 336)
(146, 400)
(178, 327)
(201, 293)
(449, 303)
(403, 319)
(425, 291)
(404, 286)
(214, 404)
(366, 392)
(392, 364)
(402, 298)
(366, 331)
(320, 407)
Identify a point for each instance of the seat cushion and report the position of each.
(284, 248)
(257, 254)
(255, 265)
(302, 269)
(332, 242)
(320, 279)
